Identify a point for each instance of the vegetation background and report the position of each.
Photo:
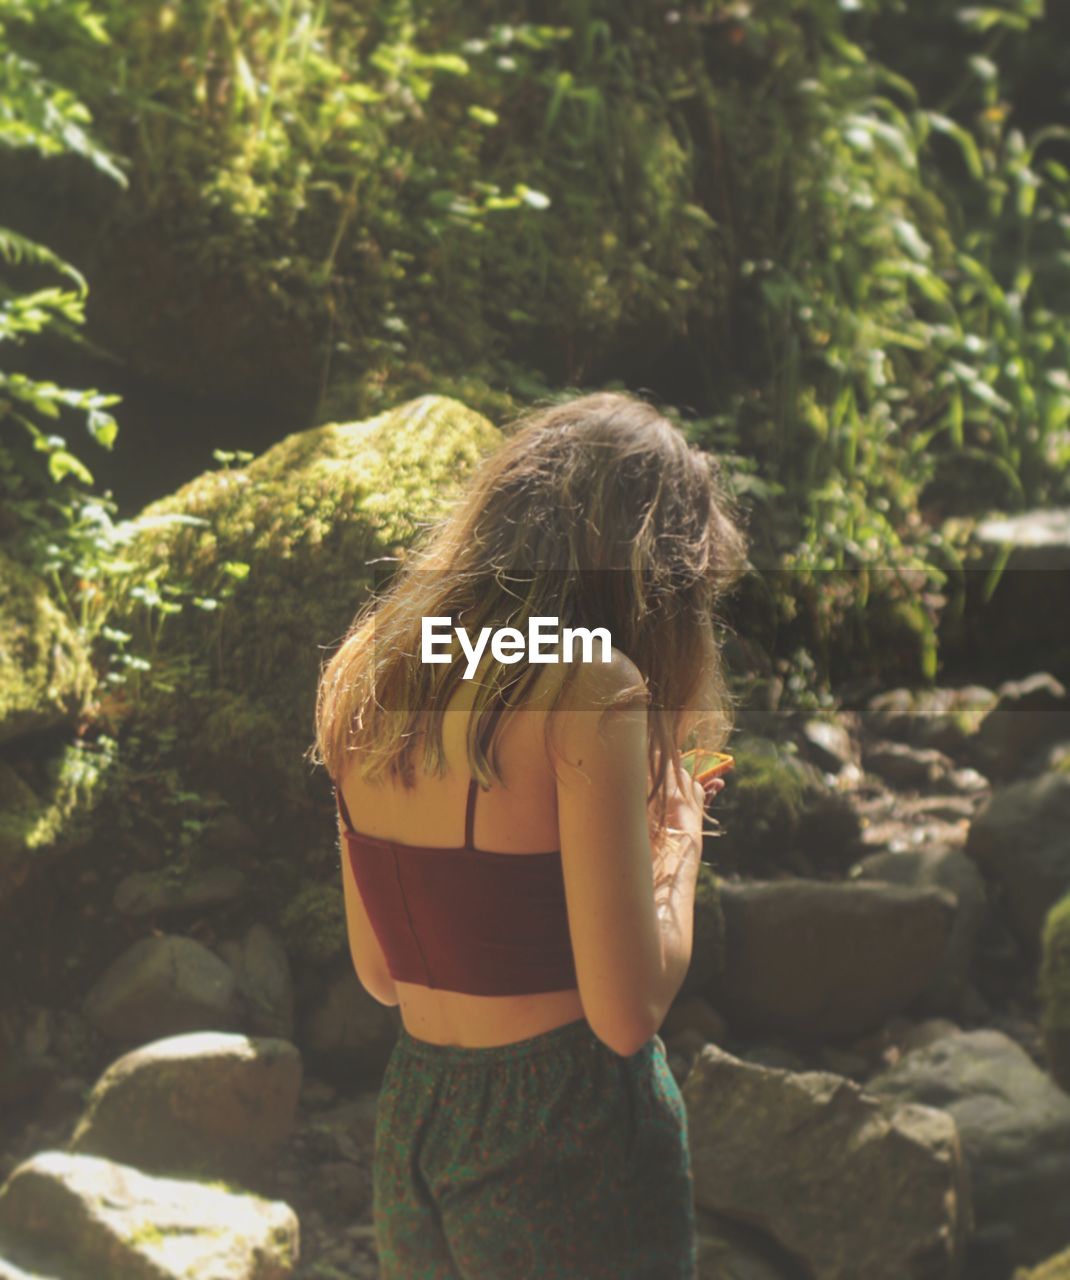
(833, 238)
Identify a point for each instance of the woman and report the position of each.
(528, 1124)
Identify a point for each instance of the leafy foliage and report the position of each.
(48, 511)
(823, 238)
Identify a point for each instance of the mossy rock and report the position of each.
(1054, 1268)
(314, 924)
(767, 795)
(46, 677)
(48, 796)
(1055, 990)
(237, 683)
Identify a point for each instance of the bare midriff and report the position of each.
(519, 817)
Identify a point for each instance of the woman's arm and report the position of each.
(631, 951)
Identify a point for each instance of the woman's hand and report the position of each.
(680, 846)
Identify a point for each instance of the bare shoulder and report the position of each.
(597, 685)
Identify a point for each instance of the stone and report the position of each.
(1054, 989)
(1014, 1123)
(827, 959)
(348, 1035)
(1029, 715)
(828, 744)
(162, 986)
(729, 1250)
(775, 802)
(150, 892)
(845, 1182)
(264, 983)
(906, 767)
(79, 1217)
(693, 1013)
(307, 517)
(948, 869)
(1020, 840)
(939, 719)
(198, 1105)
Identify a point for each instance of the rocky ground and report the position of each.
(881, 874)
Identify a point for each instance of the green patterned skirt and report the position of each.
(551, 1158)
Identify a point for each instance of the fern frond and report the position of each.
(19, 248)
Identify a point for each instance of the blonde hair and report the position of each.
(596, 511)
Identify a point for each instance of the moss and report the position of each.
(145, 1233)
(767, 795)
(314, 924)
(237, 682)
(1055, 991)
(1055, 967)
(45, 673)
(47, 801)
(1054, 1268)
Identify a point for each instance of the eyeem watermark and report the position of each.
(544, 642)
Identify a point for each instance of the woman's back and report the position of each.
(518, 818)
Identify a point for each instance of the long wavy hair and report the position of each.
(596, 511)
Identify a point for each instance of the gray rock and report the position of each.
(77, 1217)
(8, 1270)
(948, 869)
(264, 983)
(850, 1184)
(1041, 539)
(1020, 839)
(1029, 716)
(1015, 1128)
(819, 958)
(730, 1250)
(904, 766)
(147, 892)
(939, 719)
(160, 987)
(206, 1104)
(348, 1035)
(827, 744)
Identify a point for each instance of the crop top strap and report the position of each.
(343, 810)
(470, 815)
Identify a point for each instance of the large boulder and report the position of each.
(1020, 839)
(1028, 717)
(162, 986)
(264, 982)
(949, 869)
(76, 1217)
(284, 547)
(200, 1105)
(827, 959)
(1015, 1127)
(848, 1183)
(1024, 623)
(776, 802)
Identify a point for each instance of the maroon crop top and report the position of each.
(468, 919)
